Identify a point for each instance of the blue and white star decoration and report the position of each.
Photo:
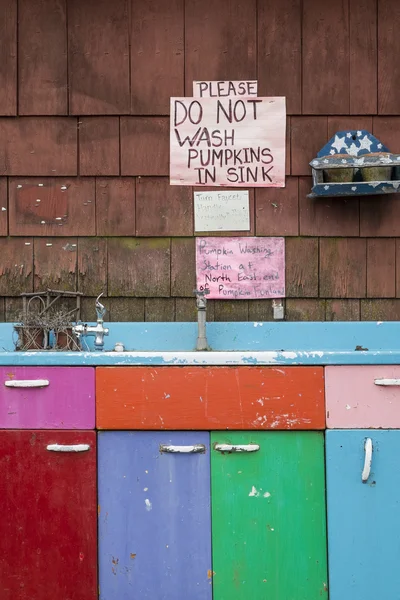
(353, 143)
(353, 149)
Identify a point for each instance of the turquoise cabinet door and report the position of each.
(268, 516)
(363, 517)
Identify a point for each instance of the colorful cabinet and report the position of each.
(268, 515)
(154, 516)
(210, 398)
(267, 531)
(48, 546)
(225, 500)
(47, 397)
(363, 396)
(363, 516)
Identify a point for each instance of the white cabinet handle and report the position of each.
(387, 381)
(27, 383)
(68, 448)
(237, 447)
(367, 460)
(195, 449)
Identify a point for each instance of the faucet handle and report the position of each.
(100, 308)
(203, 292)
(201, 299)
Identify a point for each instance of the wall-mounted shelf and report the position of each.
(355, 163)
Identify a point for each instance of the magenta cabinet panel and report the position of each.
(47, 398)
(363, 397)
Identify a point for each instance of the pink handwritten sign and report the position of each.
(236, 142)
(241, 268)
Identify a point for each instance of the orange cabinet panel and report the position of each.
(210, 398)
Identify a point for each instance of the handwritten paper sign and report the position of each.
(221, 211)
(241, 268)
(228, 142)
(219, 89)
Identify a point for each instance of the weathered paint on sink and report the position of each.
(232, 344)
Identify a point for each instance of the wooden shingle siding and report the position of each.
(326, 85)
(3, 206)
(99, 146)
(42, 57)
(8, 64)
(388, 58)
(38, 146)
(55, 263)
(115, 206)
(98, 57)
(157, 55)
(85, 88)
(43, 206)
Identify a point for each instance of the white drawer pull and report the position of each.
(367, 460)
(27, 383)
(195, 449)
(387, 381)
(70, 448)
(237, 447)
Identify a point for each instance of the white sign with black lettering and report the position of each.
(219, 89)
(228, 142)
(222, 211)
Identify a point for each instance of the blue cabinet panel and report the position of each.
(363, 518)
(154, 517)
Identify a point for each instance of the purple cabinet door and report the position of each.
(154, 516)
(47, 398)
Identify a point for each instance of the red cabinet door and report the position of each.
(48, 546)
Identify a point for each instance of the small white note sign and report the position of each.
(222, 211)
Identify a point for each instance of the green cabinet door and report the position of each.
(268, 516)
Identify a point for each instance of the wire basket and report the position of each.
(42, 327)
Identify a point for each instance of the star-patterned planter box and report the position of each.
(355, 163)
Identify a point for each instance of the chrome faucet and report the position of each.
(201, 303)
(98, 330)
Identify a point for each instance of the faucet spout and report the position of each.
(201, 303)
(98, 330)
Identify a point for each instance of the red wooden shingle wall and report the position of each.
(85, 201)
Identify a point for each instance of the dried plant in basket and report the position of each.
(62, 326)
(32, 330)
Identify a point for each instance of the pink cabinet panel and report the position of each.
(363, 397)
(47, 398)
